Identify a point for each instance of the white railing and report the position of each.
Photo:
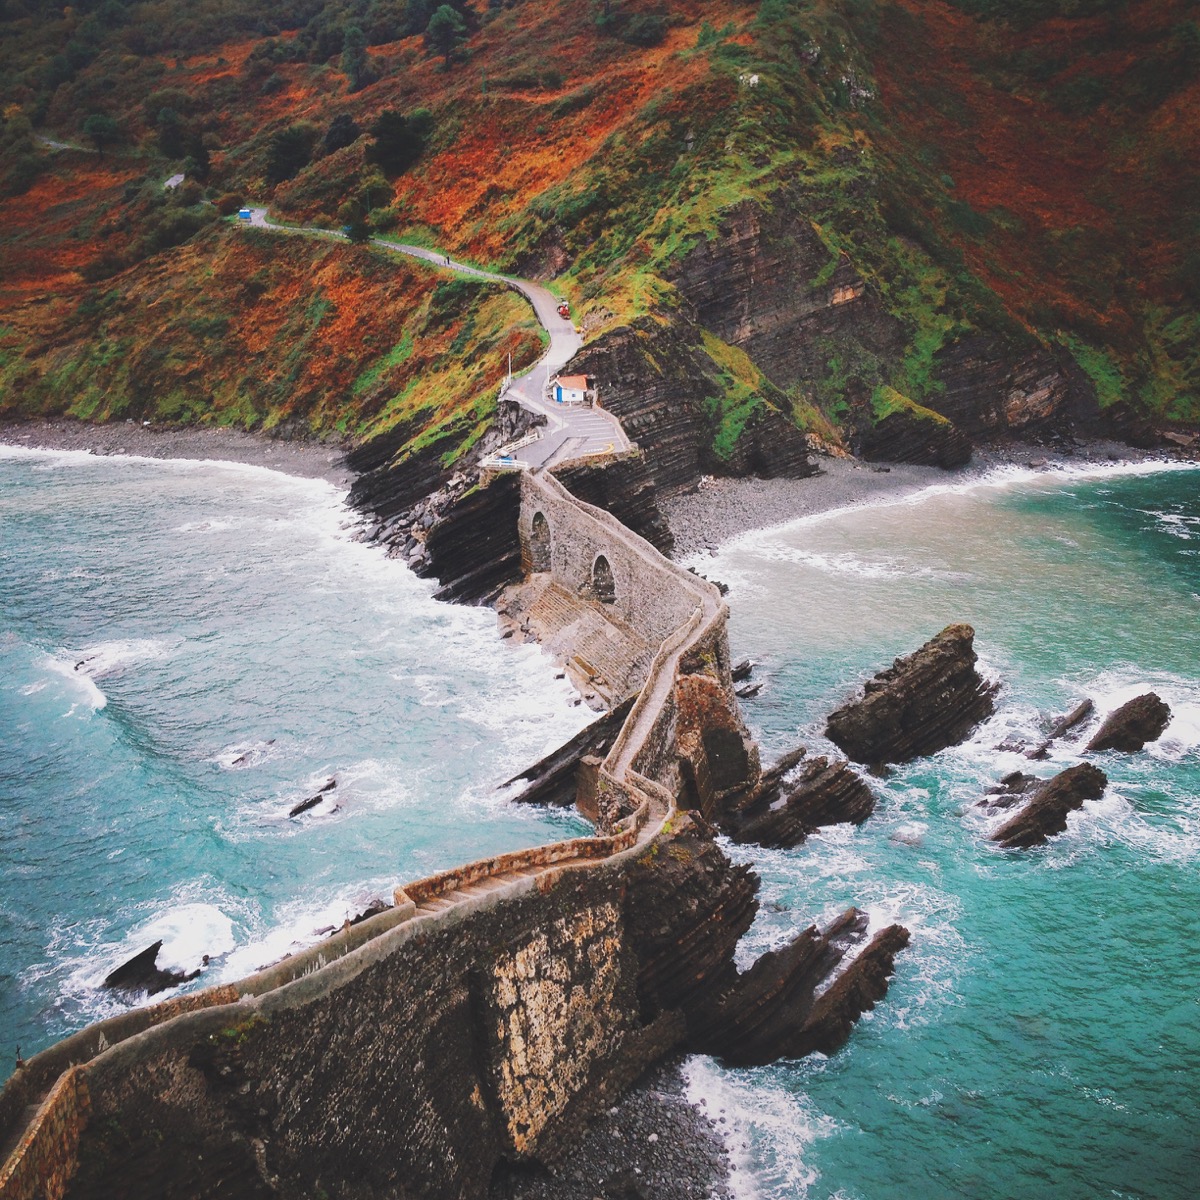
(504, 459)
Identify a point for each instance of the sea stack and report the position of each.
(919, 705)
(1131, 726)
(1049, 803)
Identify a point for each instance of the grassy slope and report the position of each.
(961, 177)
(257, 330)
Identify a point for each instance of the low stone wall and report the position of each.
(43, 1162)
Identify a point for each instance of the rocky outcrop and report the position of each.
(688, 908)
(921, 704)
(437, 518)
(554, 780)
(781, 813)
(1131, 726)
(905, 437)
(142, 974)
(1061, 727)
(1048, 803)
(472, 547)
(659, 382)
(802, 999)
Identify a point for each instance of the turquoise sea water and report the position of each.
(1042, 1034)
(186, 651)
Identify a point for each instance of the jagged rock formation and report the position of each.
(1131, 726)
(800, 999)
(438, 519)
(554, 780)
(921, 704)
(142, 973)
(1064, 725)
(1049, 802)
(778, 813)
(685, 944)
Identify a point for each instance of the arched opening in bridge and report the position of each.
(539, 544)
(604, 587)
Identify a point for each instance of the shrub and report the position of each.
(645, 29)
(289, 151)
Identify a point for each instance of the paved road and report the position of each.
(569, 432)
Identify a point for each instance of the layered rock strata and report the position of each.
(1138, 721)
(921, 704)
(1046, 804)
(660, 383)
(780, 812)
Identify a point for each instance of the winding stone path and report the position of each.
(570, 432)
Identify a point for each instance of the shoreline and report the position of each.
(724, 508)
(307, 460)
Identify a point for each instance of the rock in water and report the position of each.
(1050, 802)
(920, 705)
(141, 974)
(1076, 716)
(779, 815)
(774, 1010)
(1131, 726)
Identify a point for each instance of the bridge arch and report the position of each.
(540, 557)
(604, 586)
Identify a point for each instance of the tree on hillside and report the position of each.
(343, 131)
(446, 32)
(353, 216)
(289, 151)
(399, 140)
(374, 188)
(354, 57)
(171, 131)
(102, 130)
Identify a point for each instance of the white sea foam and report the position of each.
(849, 564)
(298, 925)
(90, 696)
(105, 658)
(767, 1130)
(997, 479)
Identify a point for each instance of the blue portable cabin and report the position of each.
(243, 214)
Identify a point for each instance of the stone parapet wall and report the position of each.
(42, 1164)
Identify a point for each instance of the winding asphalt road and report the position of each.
(569, 432)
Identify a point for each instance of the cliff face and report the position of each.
(657, 377)
(768, 284)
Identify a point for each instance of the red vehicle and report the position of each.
(564, 309)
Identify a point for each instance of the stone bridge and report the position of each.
(477, 1021)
